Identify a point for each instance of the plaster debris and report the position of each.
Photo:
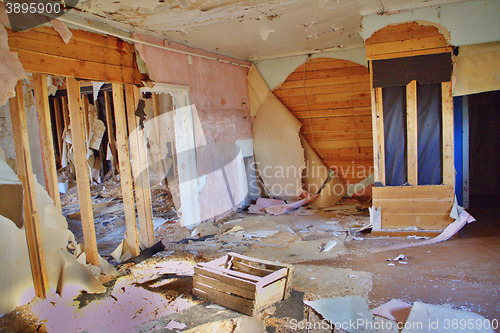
(61, 28)
(11, 69)
(345, 310)
(395, 310)
(437, 318)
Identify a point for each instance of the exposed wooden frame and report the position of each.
(25, 175)
(139, 158)
(380, 132)
(109, 128)
(46, 141)
(126, 182)
(447, 130)
(412, 133)
(375, 126)
(77, 116)
(59, 122)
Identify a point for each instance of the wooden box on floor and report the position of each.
(241, 283)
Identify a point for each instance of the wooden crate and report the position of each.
(241, 283)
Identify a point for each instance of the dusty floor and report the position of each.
(463, 273)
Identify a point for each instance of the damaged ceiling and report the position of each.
(252, 29)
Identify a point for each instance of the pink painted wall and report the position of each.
(220, 94)
(218, 90)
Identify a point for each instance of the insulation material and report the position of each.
(477, 69)
(62, 30)
(11, 69)
(64, 272)
(282, 209)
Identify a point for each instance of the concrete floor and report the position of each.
(463, 271)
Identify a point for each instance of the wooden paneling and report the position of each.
(425, 207)
(405, 40)
(331, 98)
(87, 55)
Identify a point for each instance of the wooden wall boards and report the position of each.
(417, 50)
(331, 99)
(41, 50)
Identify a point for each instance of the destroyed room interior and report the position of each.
(249, 166)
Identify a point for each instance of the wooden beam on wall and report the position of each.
(411, 125)
(138, 152)
(59, 122)
(381, 137)
(125, 171)
(46, 141)
(376, 145)
(109, 127)
(25, 175)
(448, 146)
(82, 171)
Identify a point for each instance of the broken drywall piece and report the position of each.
(16, 284)
(97, 129)
(349, 313)
(262, 203)
(11, 69)
(437, 318)
(278, 152)
(461, 216)
(174, 325)
(282, 209)
(328, 246)
(395, 310)
(96, 87)
(375, 218)
(76, 277)
(62, 30)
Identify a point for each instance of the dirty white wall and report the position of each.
(471, 22)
